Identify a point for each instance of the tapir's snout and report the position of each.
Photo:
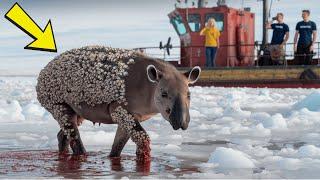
(179, 117)
(185, 123)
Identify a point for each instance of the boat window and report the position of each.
(178, 24)
(219, 17)
(194, 22)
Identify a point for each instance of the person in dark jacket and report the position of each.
(306, 31)
(280, 37)
(280, 34)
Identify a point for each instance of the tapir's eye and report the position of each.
(188, 95)
(164, 94)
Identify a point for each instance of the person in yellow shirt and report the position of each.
(212, 34)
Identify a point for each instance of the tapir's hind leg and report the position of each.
(76, 142)
(63, 142)
(67, 120)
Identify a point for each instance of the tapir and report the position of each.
(113, 86)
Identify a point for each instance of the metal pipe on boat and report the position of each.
(265, 20)
(201, 3)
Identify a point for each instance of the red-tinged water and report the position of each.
(28, 164)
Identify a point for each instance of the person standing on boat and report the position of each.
(280, 37)
(212, 34)
(306, 30)
(280, 34)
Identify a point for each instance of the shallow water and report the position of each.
(263, 127)
(46, 163)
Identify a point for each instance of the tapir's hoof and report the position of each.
(64, 153)
(143, 158)
(77, 147)
(144, 167)
(143, 152)
(82, 157)
(114, 155)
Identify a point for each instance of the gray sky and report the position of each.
(117, 23)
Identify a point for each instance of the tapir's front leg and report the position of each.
(141, 138)
(138, 135)
(119, 142)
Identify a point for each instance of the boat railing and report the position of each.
(257, 55)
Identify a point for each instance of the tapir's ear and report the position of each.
(193, 74)
(153, 74)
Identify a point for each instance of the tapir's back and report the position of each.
(92, 74)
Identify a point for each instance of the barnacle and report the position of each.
(92, 74)
(127, 123)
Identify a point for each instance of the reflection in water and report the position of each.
(69, 166)
(143, 167)
(74, 167)
(116, 164)
(95, 164)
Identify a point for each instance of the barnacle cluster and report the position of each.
(92, 74)
(64, 114)
(126, 121)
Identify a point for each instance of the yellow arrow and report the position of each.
(43, 39)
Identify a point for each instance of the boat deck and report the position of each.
(266, 76)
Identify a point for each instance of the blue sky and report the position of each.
(117, 23)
